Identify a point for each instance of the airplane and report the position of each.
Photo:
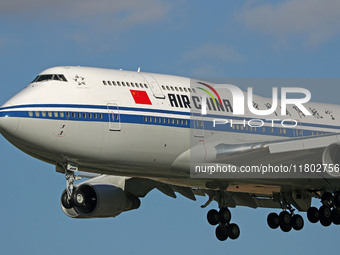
(131, 132)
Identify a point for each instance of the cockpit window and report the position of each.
(48, 77)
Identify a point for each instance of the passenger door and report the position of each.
(114, 117)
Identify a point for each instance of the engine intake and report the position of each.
(331, 157)
(99, 201)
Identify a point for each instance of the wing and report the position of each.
(318, 151)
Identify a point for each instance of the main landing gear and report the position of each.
(329, 212)
(222, 218)
(224, 229)
(286, 220)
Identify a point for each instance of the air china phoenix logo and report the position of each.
(208, 92)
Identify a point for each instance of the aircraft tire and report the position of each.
(335, 216)
(285, 221)
(325, 212)
(286, 227)
(297, 222)
(65, 202)
(221, 232)
(325, 222)
(273, 220)
(233, 231)
(213, 217)
(224, 215)
(285, 218)
(313, 214)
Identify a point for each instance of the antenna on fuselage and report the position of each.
(138, 70)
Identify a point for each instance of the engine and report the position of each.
(98, 200)
(331, 158)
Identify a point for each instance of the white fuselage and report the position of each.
(124, 123)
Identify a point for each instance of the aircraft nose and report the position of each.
(8, 124)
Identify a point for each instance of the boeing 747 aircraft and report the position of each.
(132, 132)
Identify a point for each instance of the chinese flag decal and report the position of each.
(140, 97)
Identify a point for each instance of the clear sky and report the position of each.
(235, 39)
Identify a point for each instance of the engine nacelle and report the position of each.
(101, 201)
(331, 157)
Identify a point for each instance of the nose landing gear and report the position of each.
(70, 197)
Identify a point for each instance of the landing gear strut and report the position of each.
(222, 218)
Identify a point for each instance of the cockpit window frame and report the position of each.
(49, 77)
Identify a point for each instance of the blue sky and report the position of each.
(235, 39)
